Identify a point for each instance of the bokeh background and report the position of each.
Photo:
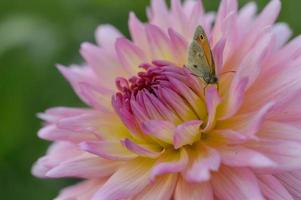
(34, 36)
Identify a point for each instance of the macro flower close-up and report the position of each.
(153, 129)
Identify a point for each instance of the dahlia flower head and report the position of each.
(151, 131)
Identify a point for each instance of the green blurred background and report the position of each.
(34, 36)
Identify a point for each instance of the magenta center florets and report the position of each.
(161, 92)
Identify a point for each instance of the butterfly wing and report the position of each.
(201, 38)
(197, 62)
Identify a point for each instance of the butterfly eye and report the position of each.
(202, 37)
(195, 66)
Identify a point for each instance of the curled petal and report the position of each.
(112, 150)
(202, 161)
(163, 130)
(212, 101)
(187, 133)
(143, 150)
(170, 162)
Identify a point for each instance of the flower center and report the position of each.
(161, 92)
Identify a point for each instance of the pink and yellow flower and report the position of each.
(151, 132)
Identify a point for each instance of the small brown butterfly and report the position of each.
(200, 59)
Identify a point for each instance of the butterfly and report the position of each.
(200, 59)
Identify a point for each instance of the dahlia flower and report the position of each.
(151, 131)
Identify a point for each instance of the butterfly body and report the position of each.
(200, 59)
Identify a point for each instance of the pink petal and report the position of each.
(158, 13)
(161, 189)
(179, 47)
(217, 52)
(201, 163)
(265, 19)
(78, 76)
(212, 101)
(193, 99)
(269, 14)
(143, 150)
(195, 9)
(246, 16)
(195, 191)
(111, 150)
(95, 97)
(226, 7)
(101, 124)
(129, 180)
(287, 154)
(187, 133)
(159, 43)
(164, 111)
(231, 137)
(106, 36)
(81, 191)
(239, 156)
(284, 80)
(177, 103)
(247, 124)
(247, 73)
(130, 55)
(290, 51)
(57, 153)
(128, 119)
(282, 32)
(272, 188)
(151, 108)
(103, 63)
(278, 131)
(170, 162)
(234, 99)
(139, 110)
(180, 20)
(53, 133)
(236, 184)
(52, 115)
(162, 130)
(84, 166)
(137, 30)
(292, 182)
